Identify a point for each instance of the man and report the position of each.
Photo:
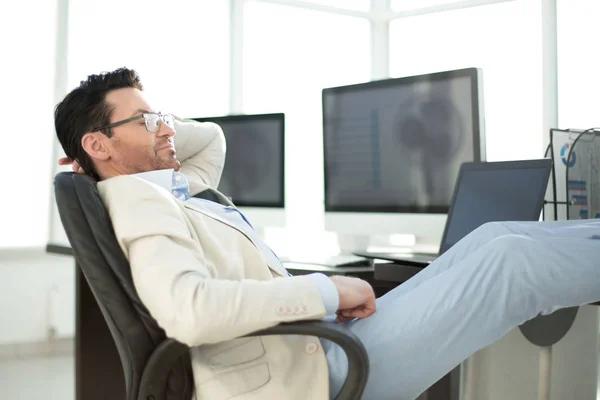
(207, 278)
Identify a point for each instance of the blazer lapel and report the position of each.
(189, 205)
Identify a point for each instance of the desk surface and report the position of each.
(382, 270)
(294, 266)
(59, 248)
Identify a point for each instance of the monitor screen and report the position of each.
(396, 145)
(253, 175)
(501, 191)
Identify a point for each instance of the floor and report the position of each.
(47, 378)
(44, 378)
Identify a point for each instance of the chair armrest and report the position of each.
(156, 372)
(153, 384)
(358, 359)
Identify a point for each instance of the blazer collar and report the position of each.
(191, 206)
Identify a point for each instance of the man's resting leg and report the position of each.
(575, 229)
(420, 336)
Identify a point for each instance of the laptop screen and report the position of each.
(495, 191)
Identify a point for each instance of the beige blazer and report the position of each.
(206, 283)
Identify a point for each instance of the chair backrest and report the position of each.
(106, 269)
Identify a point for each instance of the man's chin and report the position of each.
(171, 163)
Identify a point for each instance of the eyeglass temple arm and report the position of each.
(114, 124)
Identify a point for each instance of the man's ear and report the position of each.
(94, 143)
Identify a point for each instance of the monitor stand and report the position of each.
(399, 243)
(351, 243)
(427, 245)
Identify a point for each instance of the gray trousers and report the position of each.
(497, 277)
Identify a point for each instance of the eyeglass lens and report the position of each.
(153, 121)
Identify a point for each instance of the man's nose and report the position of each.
(165, 130)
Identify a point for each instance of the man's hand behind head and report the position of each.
(356, 298)
(74, 164)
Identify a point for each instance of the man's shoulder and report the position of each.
(129, 189)
(139, 208)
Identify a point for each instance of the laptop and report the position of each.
(485, 192)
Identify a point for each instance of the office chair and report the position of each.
(156, 367)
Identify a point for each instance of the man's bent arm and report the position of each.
(328, 292)
(201, 149)
(174, 279)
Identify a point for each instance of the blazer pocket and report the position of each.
(230, 384)
(239, 353)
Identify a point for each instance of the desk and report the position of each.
(380, 287)
(98, 371)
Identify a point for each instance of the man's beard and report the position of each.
(167, 161)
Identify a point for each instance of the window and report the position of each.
(27, 97)
(290, 55)
(578, 74)
(357, 5)
(410, 5)
(510, 57)
(181, 50)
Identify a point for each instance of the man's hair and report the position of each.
(84, 110)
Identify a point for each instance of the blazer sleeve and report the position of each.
(201, 150)
(173, 277)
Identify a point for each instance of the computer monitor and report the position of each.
(393, 149)
(254, 171)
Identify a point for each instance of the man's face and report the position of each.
(132, 148)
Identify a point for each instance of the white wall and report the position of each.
(38, 293)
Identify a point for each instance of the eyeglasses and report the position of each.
(151, 120)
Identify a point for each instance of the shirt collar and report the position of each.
(175, 182)
(161, 177)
